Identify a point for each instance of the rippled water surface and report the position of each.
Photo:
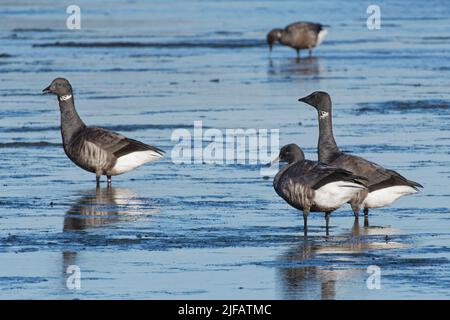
(146, 68)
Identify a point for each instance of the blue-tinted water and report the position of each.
(146, 68)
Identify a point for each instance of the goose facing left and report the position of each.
(313, 186)
(384, 185)
(298, 35)
(97, 150)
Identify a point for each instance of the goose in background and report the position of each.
(97, 150)
(312, 186)
(384, 185)
(298, 35)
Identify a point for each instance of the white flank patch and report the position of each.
(322, 34)
(133, 160)
(384, 197)
(335, 194)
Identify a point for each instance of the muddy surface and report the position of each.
(177, 231)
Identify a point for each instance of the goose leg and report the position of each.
(355, 228)
(366, 217)
(310, 53)
(327, 222)
(305, 221)
(298, 53)
(98, 174)
(355, 211)
(108, 186)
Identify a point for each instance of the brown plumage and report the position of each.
(384, 185)
(97, 150)
(313, 186)
(298, 35)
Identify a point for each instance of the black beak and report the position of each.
(304, 99)
(46, 90)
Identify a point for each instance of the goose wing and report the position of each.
(317, 174)
(377, 176)
(115, 143)
(298, 182)
(304, 26)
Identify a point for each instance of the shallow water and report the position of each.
(219, 231)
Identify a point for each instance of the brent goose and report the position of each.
(384, 185)
(97, 150)
(313, 186)
(298, 35)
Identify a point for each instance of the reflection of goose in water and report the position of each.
(307, 272)
(293, 66)
(103, 206)
(99, 208)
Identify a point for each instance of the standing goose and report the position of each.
(97, 150)
(298, 35)
(384, 185)
(313, 186)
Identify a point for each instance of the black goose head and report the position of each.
(291, 153)
(60, 87)
(274, 36)
(321, 101)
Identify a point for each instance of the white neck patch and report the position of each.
(323, 114)
(66, 97)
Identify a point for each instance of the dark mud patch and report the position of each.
(44, 30)
(212, 44)
(428, 106)
(357, 41)
(439, 38)
(386, 148)
(189, 111)
(76, 236)
(20, 281)
(37, 144)
(20, 113)
(122, 128)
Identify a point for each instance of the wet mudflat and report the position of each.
(186, 231)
